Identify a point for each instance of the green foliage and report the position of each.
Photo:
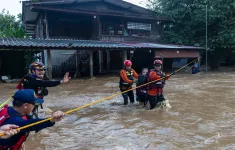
(189, 23)
(10, 26)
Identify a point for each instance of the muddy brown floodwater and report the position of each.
(201, 117)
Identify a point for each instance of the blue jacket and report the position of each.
(16, 119)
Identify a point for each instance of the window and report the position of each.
(112, 28)
(138, 26)
(138, 29)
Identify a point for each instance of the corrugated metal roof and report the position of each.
(160, 46)
(21, 43)
(176, 54)
(58, 43)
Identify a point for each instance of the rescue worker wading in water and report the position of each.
(155, 90)
(35, 80)
(127, 76)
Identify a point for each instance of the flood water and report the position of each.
(201, 117)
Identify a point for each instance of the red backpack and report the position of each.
(3, 117)
(20, 85)
(4, 114)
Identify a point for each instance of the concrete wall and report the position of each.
(58, 56)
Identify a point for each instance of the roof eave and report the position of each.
(37, 9)
(120, 3)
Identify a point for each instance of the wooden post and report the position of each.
(48, 50)
(0, 65)
(124, 55)
(41, 36)
(108, 60)
(47, 28)
(99, 27)
(78, 74)
(37, 33)
(91, 63)
(43, 56)
(199, 62)
(49, 68)
(96, 26)
(41, 26)
(101, 61)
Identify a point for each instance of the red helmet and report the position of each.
(37, 66)
(157, 62)
(127, 63)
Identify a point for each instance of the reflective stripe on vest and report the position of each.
(157, 84)
(160, 82)
(129, 76)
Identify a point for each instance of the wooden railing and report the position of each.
(70, 64)
(116, 38)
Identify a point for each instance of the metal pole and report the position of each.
(206, 38)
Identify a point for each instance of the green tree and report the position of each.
(11, 26)
(189, 24)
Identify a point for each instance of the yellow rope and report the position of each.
(98, 101)
(4, 103)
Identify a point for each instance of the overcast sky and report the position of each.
(14, 6)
